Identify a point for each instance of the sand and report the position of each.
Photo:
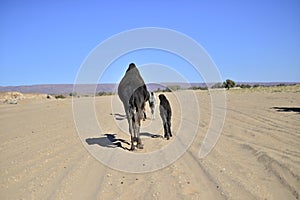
(256, 157)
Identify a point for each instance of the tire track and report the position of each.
(277, 169)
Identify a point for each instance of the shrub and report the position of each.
(280, 84)
(245, 86)
(60, 96)
(103, 93)
(73, 94)
(228, 84)
(198, 88)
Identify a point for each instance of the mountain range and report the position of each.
(110, 88)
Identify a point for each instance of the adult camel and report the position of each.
(133, 93)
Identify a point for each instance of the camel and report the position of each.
(166, 114)
(133, 93)
(152, 104)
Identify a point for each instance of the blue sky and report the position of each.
(45, 42)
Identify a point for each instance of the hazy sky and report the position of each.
(45, 42)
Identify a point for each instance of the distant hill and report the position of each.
(68, 88)
(53, 88)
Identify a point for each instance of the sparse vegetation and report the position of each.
(245, 86)
(60, 96)
(198, 88)
(228, 84)
(173, 87)
(103, 93)
(73, 94)
(168, 89)
(276, 91)
(281, 84)
(217, 85)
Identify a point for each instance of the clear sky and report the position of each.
(45, 42)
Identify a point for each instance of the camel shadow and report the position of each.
(146, 134)
(287, 109)
(108, 141)
(118, 116)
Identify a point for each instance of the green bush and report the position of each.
(103, 93)
(228, 84)
(245, 86)
(198, 88)
(60, 96)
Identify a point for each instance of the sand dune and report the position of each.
(256, 157)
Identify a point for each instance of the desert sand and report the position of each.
(256, 157)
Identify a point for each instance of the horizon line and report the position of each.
(287, 82)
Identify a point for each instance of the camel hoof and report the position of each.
(132, 148)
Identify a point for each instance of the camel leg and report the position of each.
(135, 135)
(132, 144)
(131, 127)
(166, 131)
(139, 141)
(165, 125)
(152, 113)
(137, 126)
(169, 128)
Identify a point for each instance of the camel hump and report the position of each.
(130, 82)
(131, 66)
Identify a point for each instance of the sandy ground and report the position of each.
(256, 157)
